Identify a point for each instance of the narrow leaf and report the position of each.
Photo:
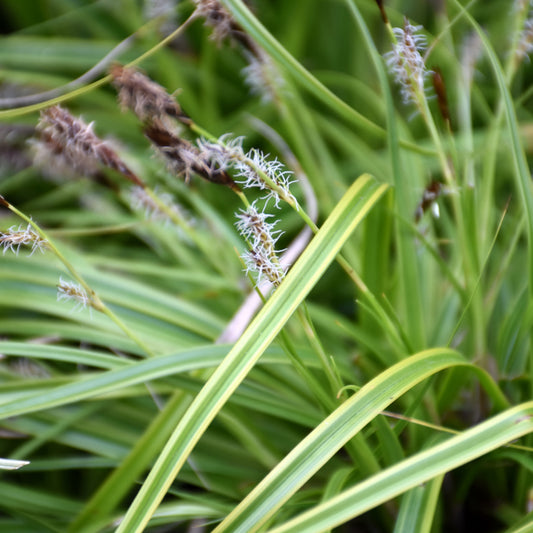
(352, 208)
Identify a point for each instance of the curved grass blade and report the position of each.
(352, 208)
(416, 470)
(113, 380)
(336, 430)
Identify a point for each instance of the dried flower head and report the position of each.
(382, 11)
(440, 91)
(406, 63)
(222, 153)
(75, 145)
(252, 166)
(217, 17)
(258, 261)
(14, 238)
(70, 291)
(429, 200)
(253, 226)
(184, 158)
(146, 98)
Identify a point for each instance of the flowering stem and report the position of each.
(328, 369)
(369, 297)
(10, 113)
(95, 301)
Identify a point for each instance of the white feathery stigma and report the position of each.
(254, 164)
(15, 237)
(70, 291)
(406, 63)
(261, 235)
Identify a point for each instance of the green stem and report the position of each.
(94, 299)
(10, 113)
(328, 369)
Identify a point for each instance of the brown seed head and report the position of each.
(429, 197)
(440, 90)
(184, 158)
(223, 24)
(143, 96)
(382, 11)
(73, 144)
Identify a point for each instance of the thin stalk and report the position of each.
(280, 54)
(387, 323)
(328, 369)
(95, 300)
(11, 113)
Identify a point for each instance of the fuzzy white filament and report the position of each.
(14, 238)
(222, 153)
(263, 77)
(251, 166)
(70, 291)
(262, 258)
(256, 163)
(406, 63)
(525, 43)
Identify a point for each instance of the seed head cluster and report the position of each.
(71, 143)
(406, 63)
(70, 291)
(146, 98)
(15, 237)
(262, 258)
(261, 74)
(525, 43)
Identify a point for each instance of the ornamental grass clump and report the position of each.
(280, 274)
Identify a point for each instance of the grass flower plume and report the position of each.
(283, 327)
(262, 258)
(74, 143)
(73, 292)
(15, 237)
(406, 63)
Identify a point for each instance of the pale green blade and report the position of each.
(352, 208)
(416, 470)
(336, 430)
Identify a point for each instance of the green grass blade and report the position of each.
(114, 380)
(522, 172)
(352, 208)
(418, 508)
(244, 17)
(333, 433)
(416, 470)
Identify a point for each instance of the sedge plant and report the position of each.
(266, 266)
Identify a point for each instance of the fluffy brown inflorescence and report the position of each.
(184, 158)
(70, 143)
(222, 22)
(156, 109)
(440, 91)
(143, 96)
